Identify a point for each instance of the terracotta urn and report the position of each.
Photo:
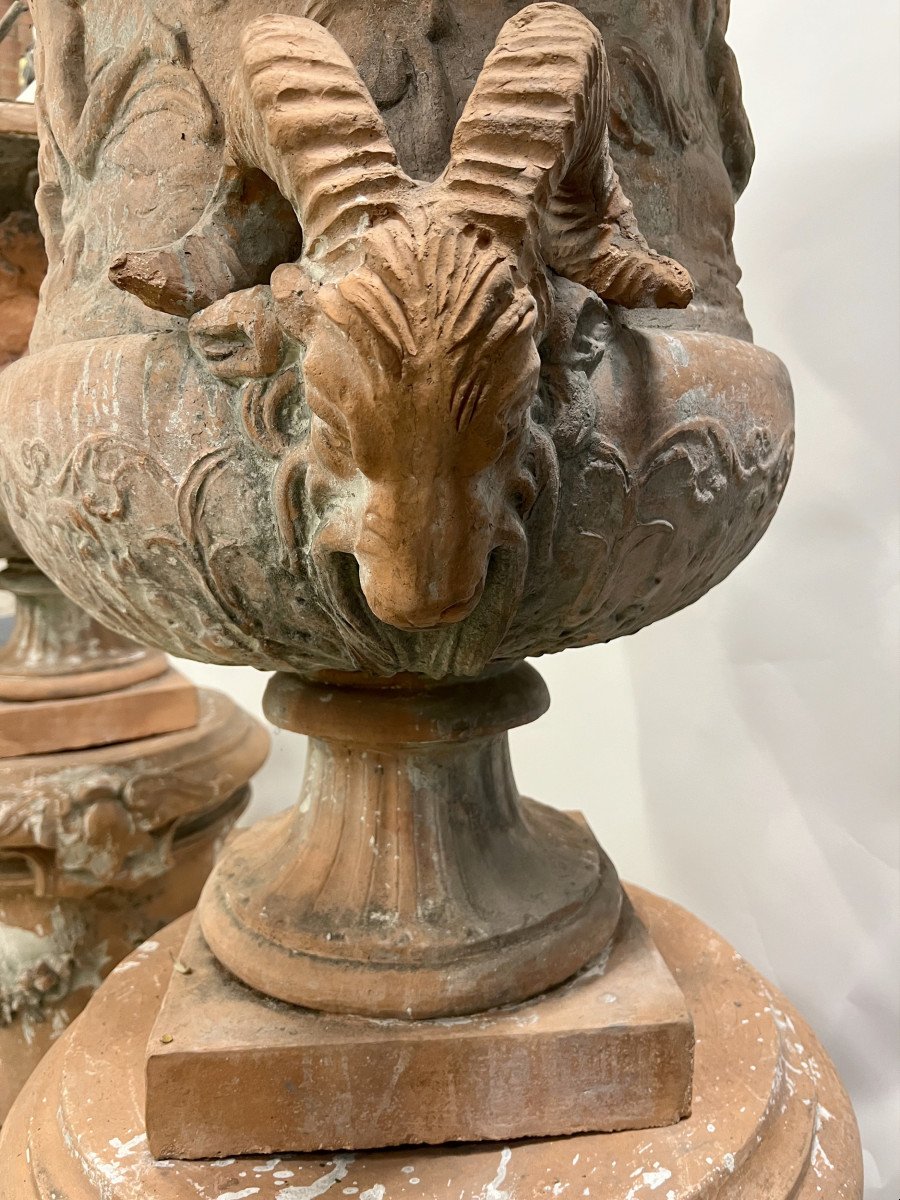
(386, 344)
(399, 379)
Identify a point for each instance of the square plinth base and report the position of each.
(167, 704)
(230, 1073)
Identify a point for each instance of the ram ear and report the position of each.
(295, 298)
(239, 337)
(580, 329)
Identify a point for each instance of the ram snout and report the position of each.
(423, 550)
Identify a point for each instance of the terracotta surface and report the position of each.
(770, 1119)
(144, 710)
(98, 849)
(55, 950)
(17, 120)
(352, 358)
(613, 1049)
(107, 815)
(411, 879)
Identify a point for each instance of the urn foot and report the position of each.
(611, 1049)
(412, 880)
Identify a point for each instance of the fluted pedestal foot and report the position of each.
(416, 921)
(66, 683)
(411, 881)
(611, 1049)
(58, 652)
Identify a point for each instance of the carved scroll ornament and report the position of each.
(116, 818)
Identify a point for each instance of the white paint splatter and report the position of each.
(655, 1179)
(374, 1193)
(108, 1170)
(124, 1149)
(818, 1157)
(321, 1186)
(238, 1195)
(492, 1190)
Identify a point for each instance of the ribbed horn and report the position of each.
(301, 114)
(530, 159)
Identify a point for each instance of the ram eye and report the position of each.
(524, 496)
(335, 441)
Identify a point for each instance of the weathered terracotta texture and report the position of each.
(393, 338)
(411, 880)
(770, 1120)
(58, 652)
(162, 705)
(418, 437)
(612, 1049)
(56, 949)
(98, 850)
(66, 683)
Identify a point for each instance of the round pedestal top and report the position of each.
(770, 1118)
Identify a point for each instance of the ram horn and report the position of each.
(301, 114)
(530, 159)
